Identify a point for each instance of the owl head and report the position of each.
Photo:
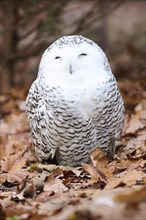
(73, 59)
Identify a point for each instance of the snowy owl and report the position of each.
(74, 105)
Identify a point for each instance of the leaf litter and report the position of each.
(102, 189)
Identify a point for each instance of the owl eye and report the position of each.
(82, 55)
(57, 57)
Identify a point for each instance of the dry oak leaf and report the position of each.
(13, 162)
(62, 169)
(137, 120)
(128, 177)
(95, 172)
(123, 164)
(14, 123)
(136, 146)
(136, 196)
(99, 158)
(21, 211)
(130, 164)
(101, 162)
(44, 196)
(55, 185)
(11, 144)
(14, 176)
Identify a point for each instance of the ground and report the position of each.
(105, 189)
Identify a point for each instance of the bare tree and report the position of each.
(29, 26)
(16, 26)
(10, 41)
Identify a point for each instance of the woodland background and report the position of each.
(104, 189)
(28, 27)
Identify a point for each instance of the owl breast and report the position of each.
(70, 127)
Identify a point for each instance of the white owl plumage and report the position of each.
(74, 105)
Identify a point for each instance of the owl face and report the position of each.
(72, 59)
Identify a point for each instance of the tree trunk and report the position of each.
(103, 42)
(9, 10)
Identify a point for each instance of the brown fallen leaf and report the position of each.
(26, 211)
(11, 144)
(45, 196)
(123, 164)
(77, 171)
(130, 164)
(62, 170)
(128, 178)
(136, 146)
(18, 93)
(94, 172)
(55, 185)
(14, 123)
(99, 158)
(14, 156)
(14, 162)
(15, 176)
(137, 120)
(60, 192)
(101, 162)
(136, 196)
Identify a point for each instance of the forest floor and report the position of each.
(102, 190)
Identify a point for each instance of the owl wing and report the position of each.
(109, 116)
(39, 117)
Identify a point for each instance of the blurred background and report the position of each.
(27, 28)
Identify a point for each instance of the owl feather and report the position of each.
(74, 105)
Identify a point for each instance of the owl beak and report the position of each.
(70, 69)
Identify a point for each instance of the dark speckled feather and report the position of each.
(71, 113)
